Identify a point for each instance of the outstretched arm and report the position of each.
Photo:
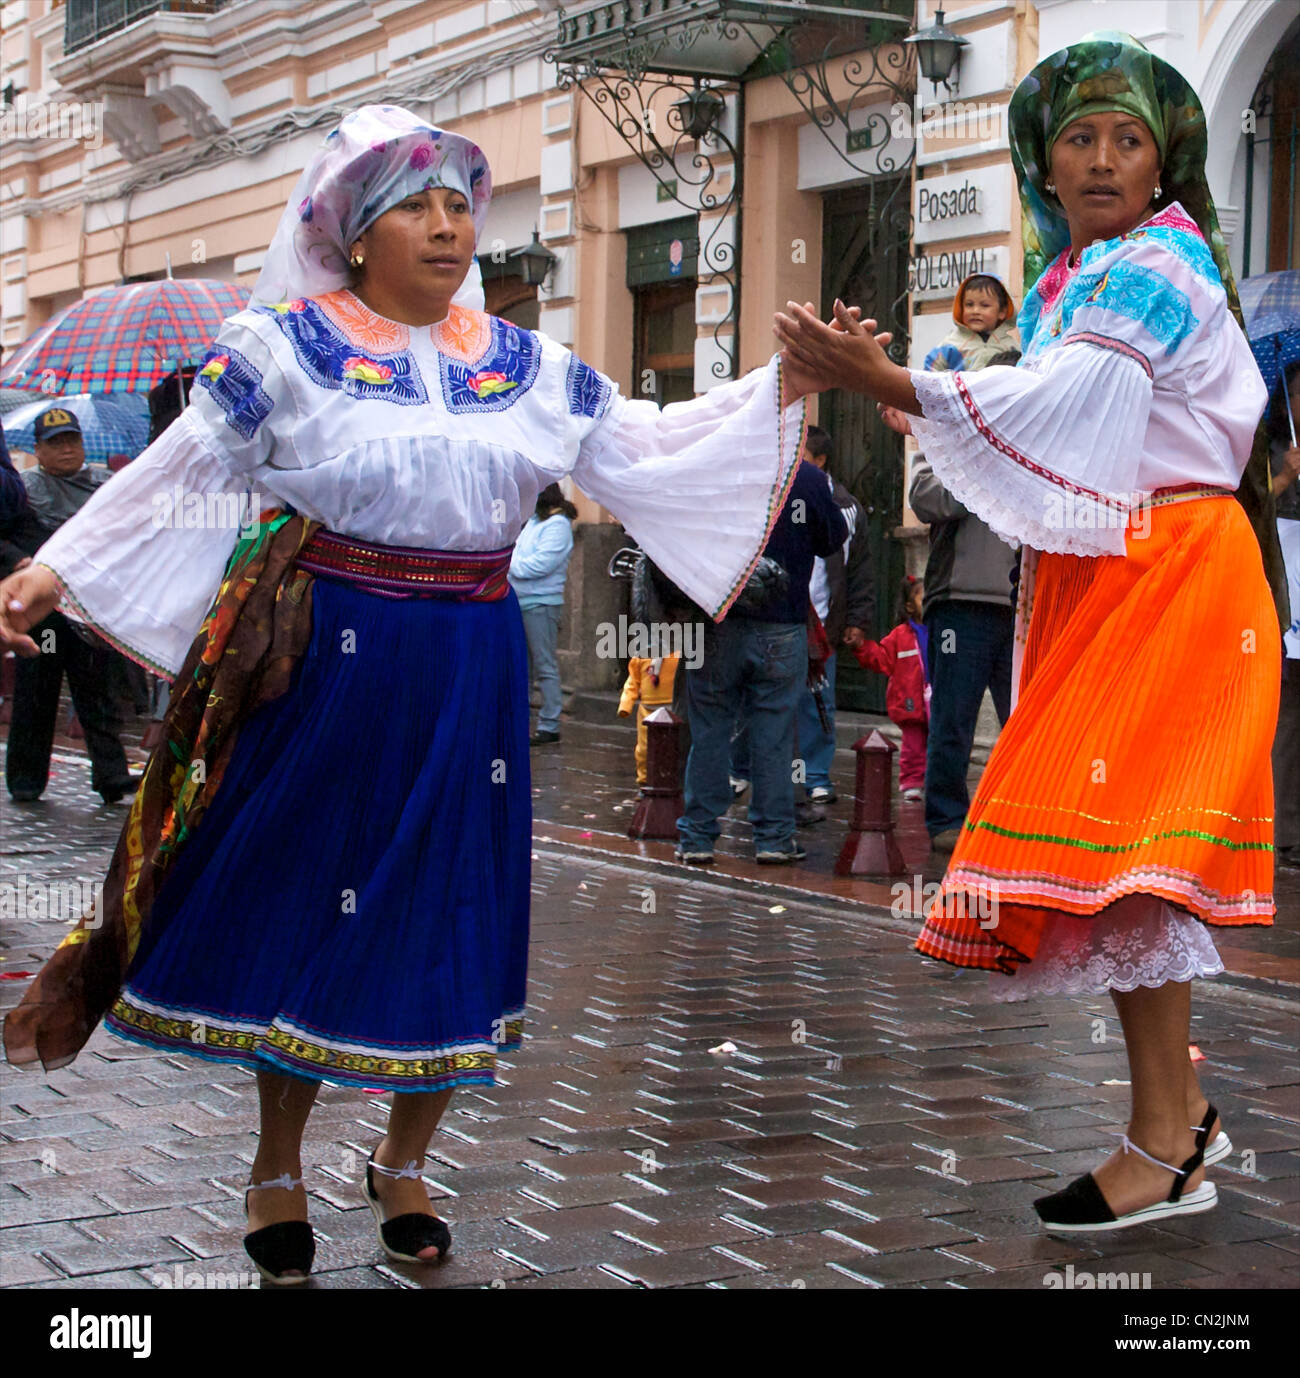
(846, 353)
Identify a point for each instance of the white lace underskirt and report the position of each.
(1112, 951)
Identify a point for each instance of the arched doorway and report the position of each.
(1270, 239)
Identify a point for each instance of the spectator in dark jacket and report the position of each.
(59, 487)
(757, 662)
(971, 620)
(842, 596)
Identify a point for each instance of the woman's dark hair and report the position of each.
(1008, 356)
(818, 442)
(910, 583)
(552, 500)
(989, 284)
(1278, 426)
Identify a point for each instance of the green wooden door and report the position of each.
(865, 244)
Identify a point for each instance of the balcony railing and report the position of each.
(87, 21)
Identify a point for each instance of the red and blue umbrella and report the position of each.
(125, 339)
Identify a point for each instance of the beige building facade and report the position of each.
(145, 137)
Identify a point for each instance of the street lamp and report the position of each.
(938, 50)
(535, 261)
(700, 110)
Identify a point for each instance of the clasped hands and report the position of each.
(844, 352)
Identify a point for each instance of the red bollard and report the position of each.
(870, 849)
(661, 802)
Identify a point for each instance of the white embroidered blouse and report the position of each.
(1135, 377)
(432, 437)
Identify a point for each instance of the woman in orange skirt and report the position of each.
(1127, 806)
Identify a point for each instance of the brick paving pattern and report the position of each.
(882, 1123)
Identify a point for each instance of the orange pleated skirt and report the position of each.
(1137, 759)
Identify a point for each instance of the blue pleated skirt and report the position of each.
(354, 906)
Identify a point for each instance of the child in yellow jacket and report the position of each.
(649, 686)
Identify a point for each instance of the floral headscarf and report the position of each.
(378, 156)
(1111, 71)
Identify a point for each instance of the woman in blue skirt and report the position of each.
(333, 516)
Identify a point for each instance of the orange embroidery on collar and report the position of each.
(361, 325)
(465, 335)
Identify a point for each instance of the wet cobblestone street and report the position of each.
(881, 1122)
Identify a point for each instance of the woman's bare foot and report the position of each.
(1129, 1182)
(402, 1195)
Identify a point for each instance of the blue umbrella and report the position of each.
(111, 424)
(1268, 293)
(1270, 305)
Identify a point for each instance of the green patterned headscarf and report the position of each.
(1111, 71)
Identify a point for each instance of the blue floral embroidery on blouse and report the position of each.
(587, 391)
(236, 387)
(331, 360)
(1191, 248)
(1127, 289)
(1166, 312)
(497, 380)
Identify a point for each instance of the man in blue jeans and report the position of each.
(757, 662)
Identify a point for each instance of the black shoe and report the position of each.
(284, 1252)
(116, 793)
(25, 796)
(544, 739)
(1218, 1150)
(402, 1237)
(781, 856)
(805, 815)
(1082, 1206)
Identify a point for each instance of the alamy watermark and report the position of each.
(65, 900)
(630, 640)
(1068, 511)
(56, 119)
(194, 511)
(914, 898)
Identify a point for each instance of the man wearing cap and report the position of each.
(57, 488)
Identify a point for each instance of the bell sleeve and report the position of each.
(1048, 453)
(698, 484)
(142, 560)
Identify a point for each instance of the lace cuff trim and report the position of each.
(1017, 498)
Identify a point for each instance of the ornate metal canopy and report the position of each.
(661, 72)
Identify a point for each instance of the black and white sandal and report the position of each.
(1217, 1151)
(1081, 1205)
(402, 1237)
(284, 1252)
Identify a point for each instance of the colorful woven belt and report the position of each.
(1186, 492)
(468, 576)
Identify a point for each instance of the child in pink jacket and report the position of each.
(902, 656)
